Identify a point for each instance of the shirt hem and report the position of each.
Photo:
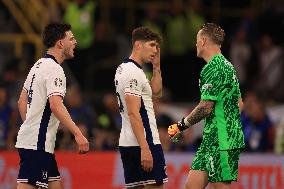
(32, 148)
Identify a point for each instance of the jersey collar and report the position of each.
(216, 55)
(127, 60)
(50, 56)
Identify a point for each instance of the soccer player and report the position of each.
(139, 144)
(216, 161)
(41, 108)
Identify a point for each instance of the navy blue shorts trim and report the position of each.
(37, 168)
(134, 174)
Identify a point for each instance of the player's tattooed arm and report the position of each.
(202, 110)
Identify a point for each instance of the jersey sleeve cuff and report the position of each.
(55, 94)
(133, 94)
(207, 97)
(25, 89)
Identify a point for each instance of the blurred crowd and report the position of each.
(253, 44)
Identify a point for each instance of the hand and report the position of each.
(174, 132)
(82, 143)
(146, 159)
(156, 60)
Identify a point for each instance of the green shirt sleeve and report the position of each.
(211, 83)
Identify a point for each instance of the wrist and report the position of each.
(144, 147)
(157, 71)
(187, 124)
(76, 131)
(183, 124)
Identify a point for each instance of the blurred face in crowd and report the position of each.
(3, 97)
(110, 102)
(148, 50)
(73, 97)
(254, 108)
(266, 42)
(68, 44)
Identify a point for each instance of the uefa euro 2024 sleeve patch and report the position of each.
(58, 82)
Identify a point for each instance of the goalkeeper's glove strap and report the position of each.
(181, 125)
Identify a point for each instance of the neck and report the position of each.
(136, 58)
(57, 55)
(208, 55)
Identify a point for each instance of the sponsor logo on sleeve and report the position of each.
(207, 86)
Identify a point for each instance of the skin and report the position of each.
(197, 179)
(63, 49)
(144, 52)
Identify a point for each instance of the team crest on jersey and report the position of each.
(133, 84)
(207, 86)
(58, 82)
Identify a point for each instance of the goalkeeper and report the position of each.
(216, 161)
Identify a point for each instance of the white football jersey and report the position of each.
(38, 132)
(131, 80)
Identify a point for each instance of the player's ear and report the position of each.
(137, 44)
(204, 40)
(59, 43)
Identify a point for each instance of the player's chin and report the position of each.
(198, 55)
(70, 55)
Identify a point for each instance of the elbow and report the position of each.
(21, 103)
(133, 114)
(53, 108)
(208, 112)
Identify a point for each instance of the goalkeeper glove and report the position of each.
(175, 130)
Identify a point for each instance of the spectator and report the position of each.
(109, 124)
(8, 121)
(175, 30)
(240, 54)
(79, 109)
(81, 15)
(195, 20)
(279, 138)
(270, 78)
(65, 140)
(163, 120)
(257, 126)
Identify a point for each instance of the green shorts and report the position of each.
(221, 165)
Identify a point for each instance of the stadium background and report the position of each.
(254, 45)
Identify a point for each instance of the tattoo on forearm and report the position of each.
(201, 111)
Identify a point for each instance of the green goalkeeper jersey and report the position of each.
(218, 82)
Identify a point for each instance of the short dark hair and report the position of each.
(145, 34)
(214, 32)
(54, 32)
